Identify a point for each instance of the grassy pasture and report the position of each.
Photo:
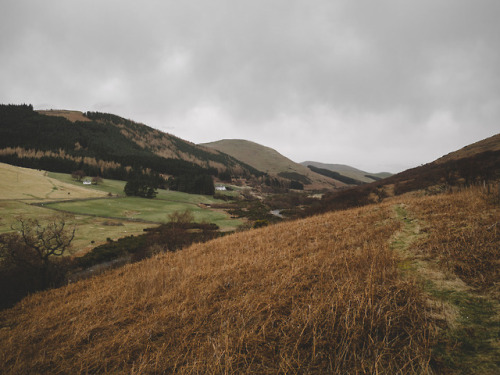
(19, 187)
(151, 210)
(106, 186)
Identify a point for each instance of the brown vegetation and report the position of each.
(463, 235)
(318, 295)
(70, 115)
(37, 154)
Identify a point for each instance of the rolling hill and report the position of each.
(272, 162)
(491, 144)
(102, 144)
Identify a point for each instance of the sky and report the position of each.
(379, 85)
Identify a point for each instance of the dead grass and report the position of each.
(321, 295)
(463, 236)
(72, 116)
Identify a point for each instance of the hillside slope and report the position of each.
(477, 164)
(328, 294)
(491, 144)
(348, 171)
(101, 144)
(270, 161)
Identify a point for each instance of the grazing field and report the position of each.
(106, 186)
(150, 210)
(20, 188)
(90, 231)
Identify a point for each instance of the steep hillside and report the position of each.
(348, 171)
(478, 164)
(101, 144)
(490, 144)
(272, 162)
(337, 293)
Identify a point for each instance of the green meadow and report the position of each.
(98, 211)
(148, 210)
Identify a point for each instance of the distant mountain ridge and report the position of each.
(348, 171)
(271, 161)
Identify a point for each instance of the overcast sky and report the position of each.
(379, 85)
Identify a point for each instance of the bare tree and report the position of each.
(34, 246)
(52, 239)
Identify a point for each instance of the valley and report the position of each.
(280, 269)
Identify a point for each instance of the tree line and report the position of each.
(97, 147)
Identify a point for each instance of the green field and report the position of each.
(90, 231)
(149, 210)
(96, 215)
(109, 186)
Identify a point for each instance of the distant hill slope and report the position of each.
(270, 161)
(351, 172)
(102, 144)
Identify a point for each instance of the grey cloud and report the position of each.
(251, 64)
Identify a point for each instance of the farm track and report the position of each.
(468, 341)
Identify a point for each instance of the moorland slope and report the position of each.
(366, 290)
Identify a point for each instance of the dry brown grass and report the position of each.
(463, 235)
(321, 295)
(72, 116)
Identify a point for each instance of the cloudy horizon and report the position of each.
(380, 86)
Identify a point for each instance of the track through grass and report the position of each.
(468, 342)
